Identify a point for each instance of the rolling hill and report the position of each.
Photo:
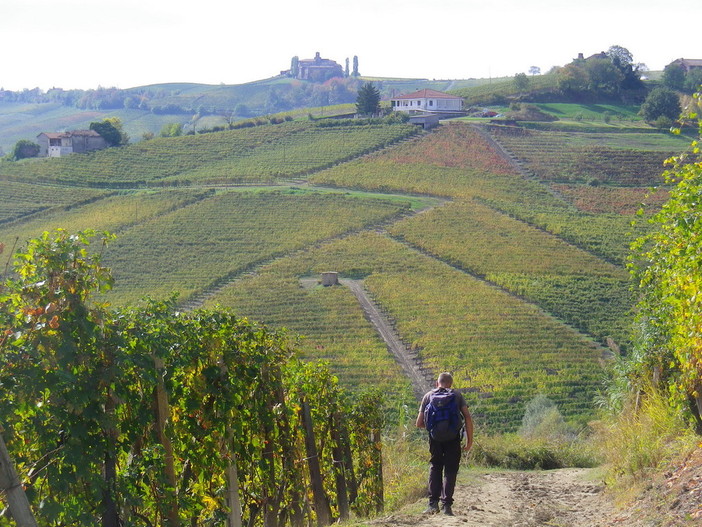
(480, 244)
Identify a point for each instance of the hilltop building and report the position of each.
(317, 69)
(65, 143)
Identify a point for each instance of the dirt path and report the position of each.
(562, 498)
(410, 362)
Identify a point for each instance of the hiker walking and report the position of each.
(443, 412)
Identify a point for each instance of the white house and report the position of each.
(426, 100)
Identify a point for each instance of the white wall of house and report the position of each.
(58, 151)
(429, 104)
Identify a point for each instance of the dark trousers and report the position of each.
(443, 469)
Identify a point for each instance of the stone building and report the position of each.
(64, 143)
(319, 69)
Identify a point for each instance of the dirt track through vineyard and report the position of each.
(563, 498)
(410, 363)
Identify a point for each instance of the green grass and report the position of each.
(594, 112)
(498, 90)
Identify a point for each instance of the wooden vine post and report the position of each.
(233, 501)
(162, 413)
(338, 454)
(12, 488)
(321, 504)
(378, 463)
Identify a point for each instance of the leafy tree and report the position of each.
(693, 80)
(572, 78)
(172, 130)
(295, 67)
(661, 102)
(355, 67)
(534, 70)
(674, 76)
(603, 76)
(111, 131)
(543, 419)
(521, 81)
(623, 60)
(368, 100)
(242, 110)
(346, 68)
(667, 266)
(24, 149)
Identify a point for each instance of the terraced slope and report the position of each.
(508, 284)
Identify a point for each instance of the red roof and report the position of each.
(59, 135)
(428, 94)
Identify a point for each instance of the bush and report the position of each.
(661, 102)
(520, 453)
(663, 123)
(528, 112)
(542, 419)
(24, 149)
(648, 432)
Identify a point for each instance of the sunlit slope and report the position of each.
(330, 319)
(19, 200)
(197, 246)
(259, 154)
(505, 227)
(508, 280)
(114, 212)
(501, 348)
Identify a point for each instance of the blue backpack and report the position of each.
(441, 416)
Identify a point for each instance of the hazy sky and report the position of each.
(126, 43)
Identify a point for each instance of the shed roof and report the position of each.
(695, 63)
(61, 135)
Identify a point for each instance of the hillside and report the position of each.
(143, 109)
(484, 262)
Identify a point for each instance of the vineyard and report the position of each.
(19, 200)
(615, 158)
(258, 154)
(194, 247)
(481, 240)
(500, 348)
(150, 417)
(616, 200)
(517, 284)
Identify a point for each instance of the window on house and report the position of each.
(431, 103)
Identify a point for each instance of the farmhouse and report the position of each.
(688, 64)
(64, 143)
(427, 101)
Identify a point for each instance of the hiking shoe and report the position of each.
(433, 508)
(446, 509)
